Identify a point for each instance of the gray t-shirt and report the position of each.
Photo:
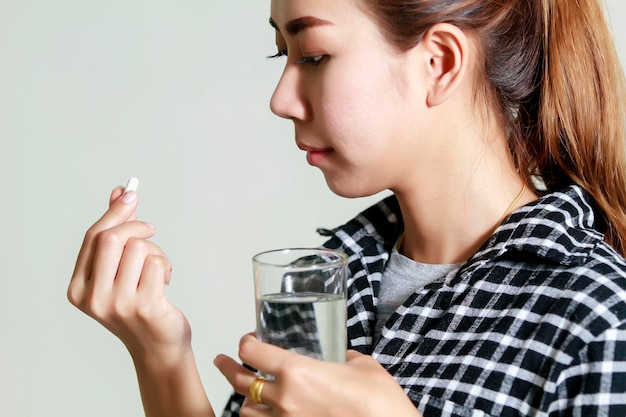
(401, 278)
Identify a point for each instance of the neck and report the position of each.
(448, 217)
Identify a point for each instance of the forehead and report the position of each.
(338, 12)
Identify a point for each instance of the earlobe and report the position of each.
(448, 48)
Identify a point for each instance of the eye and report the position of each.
(314, 61)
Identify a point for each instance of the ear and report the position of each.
(447, 49)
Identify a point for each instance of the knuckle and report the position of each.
(246, 348)
(118, 211)
(74, 296)
(91, 234)
(135, 245)
(96, 308)
(295, 371)
(294, 368)
(145, 311)
(108, 238)
(120, 308)
(156, 263)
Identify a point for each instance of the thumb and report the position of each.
(125, 194)
(122, 208)
(122, 192)
(115, 194)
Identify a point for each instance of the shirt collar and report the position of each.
(558, 227)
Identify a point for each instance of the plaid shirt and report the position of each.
(534, 324)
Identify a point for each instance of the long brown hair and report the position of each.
(553, 77)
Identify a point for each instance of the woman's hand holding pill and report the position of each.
(119, 280)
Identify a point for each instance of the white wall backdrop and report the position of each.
(176, 93)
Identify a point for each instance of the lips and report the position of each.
(307, 148)
(315, 156)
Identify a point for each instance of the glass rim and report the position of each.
(341, 258)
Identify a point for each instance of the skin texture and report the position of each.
(370, 119)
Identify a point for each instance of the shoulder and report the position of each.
(551, 252)
(597, 289)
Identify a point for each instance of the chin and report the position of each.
(351, 189)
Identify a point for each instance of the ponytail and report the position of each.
(581, 114)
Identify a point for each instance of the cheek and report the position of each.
(360, 123)
(356, 105)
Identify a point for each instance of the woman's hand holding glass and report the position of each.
(304, 386)
(119, 281)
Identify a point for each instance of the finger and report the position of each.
(241, 379)
(132, 263)
(100, 274)
(108, 252)
(115, 194)
(263, 356)
(237, 376)
(155, 270)
(119, 212)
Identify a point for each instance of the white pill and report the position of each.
(132, 184)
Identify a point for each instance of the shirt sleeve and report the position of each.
(596, 384)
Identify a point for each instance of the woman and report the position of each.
(491, 283)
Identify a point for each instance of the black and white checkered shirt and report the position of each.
(534, 324)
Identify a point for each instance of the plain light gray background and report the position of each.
(177, 94)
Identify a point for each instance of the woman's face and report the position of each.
(356, 103)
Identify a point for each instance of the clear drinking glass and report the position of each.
(301, 301)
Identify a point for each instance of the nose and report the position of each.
(288, 100)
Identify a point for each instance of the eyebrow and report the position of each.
(293, 27)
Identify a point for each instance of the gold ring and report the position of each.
(255, 389)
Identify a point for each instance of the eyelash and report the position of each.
(277, 55)
(314, 61)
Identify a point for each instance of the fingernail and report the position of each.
(129, 197)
